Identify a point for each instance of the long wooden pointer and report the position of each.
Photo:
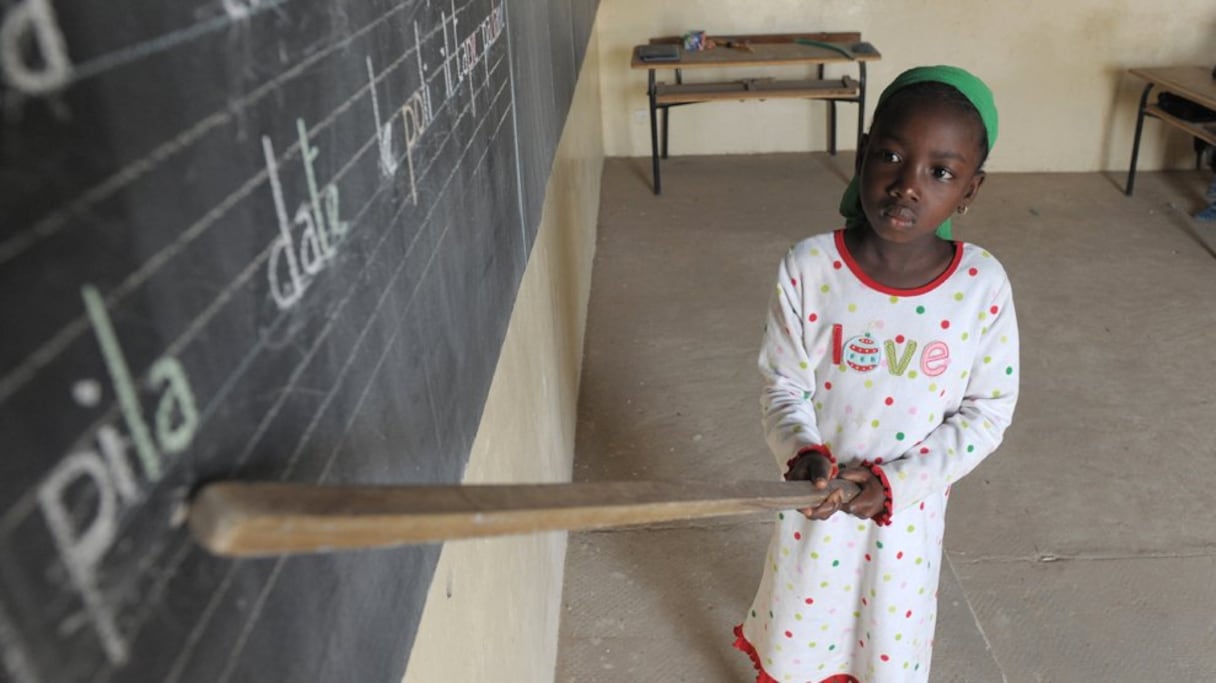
(239, 519)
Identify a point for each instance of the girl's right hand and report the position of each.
(816, 468)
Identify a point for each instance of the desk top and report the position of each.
(765, 50)
(1195, 83)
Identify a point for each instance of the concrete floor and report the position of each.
(1083, 550)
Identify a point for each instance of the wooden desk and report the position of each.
(763, 51)
(1194, 83)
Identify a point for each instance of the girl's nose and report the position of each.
(904, 185)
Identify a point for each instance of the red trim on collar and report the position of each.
(877, 286)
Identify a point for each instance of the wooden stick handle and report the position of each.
(239, 519)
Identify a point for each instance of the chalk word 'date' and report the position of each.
(295, 261)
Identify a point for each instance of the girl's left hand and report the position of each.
(872, 497)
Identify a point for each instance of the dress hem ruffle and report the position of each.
(742, 644)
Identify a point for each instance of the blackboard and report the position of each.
(251, 239)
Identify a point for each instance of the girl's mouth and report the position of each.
(899, 215)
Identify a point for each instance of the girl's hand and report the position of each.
(870, 501)
(816, 468)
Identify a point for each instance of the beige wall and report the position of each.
(493, 607)
(1058, 68)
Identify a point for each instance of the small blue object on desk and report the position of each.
(695, 40)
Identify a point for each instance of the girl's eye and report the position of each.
(889, 157)
(943, 174)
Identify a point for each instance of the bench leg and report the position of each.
(861, 104)
(1131, 171)
(667, 112)
(832, 127)
(654, 137)
(666, 115)
(831, 118)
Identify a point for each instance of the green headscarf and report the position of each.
(971, 87)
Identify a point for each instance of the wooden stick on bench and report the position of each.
(250, 519)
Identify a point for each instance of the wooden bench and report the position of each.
(763, 51)
(756, 88)
(1194, 83)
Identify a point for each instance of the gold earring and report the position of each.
(962, 210)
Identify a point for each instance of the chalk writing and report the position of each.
(416, 116)
(239, 9)
(323, 229)
(470, 50)
(107, 477)
(13, 652)
(384, 132)
(447, 50)
(33, 22)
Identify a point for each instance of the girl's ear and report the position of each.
(861, 153)
(973, 188)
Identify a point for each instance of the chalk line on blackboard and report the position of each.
(12, 651)
(268, 417)
(15, 244)
(33, 23)
(469, 51)
(384, 132)
(113, 438)
(196, 325)
(82, 555)
(217, 596)
(51, 224)
(22, 508)
(469, 56)
(293, 459)
(260, 259)
(256, 264)
(519, 170)
(446, 53)
(150, 48)
(27, 369)
(232, 197)
(82, 548)
(167, 372)
(264, 593)
(334, 315)
(238, 10)
(323, 230)
(258, 604)
(416, 116)
(423, 79)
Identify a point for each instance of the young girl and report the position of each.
(890, 359)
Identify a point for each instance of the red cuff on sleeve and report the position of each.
(883, 518)
(821, 450)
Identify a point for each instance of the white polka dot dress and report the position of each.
(922, 383)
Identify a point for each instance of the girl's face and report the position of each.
(919, 164)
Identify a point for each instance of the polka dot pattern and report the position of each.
(847, 596)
